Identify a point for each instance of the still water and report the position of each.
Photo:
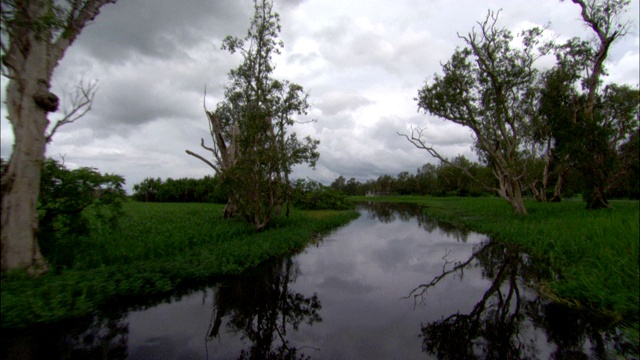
(392, 284)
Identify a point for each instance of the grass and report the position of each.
(157, 249)
(593, 254)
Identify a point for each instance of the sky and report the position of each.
(361, 62)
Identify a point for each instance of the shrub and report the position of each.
(70, 203)
(324, 199)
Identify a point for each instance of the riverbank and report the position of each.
(157, 249)
(593, 254)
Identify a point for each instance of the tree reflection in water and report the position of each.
(502, 323)
(261, 307)
(97, 337)
(390, 212)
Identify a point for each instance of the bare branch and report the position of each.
(416, 140)
(217, 170)
(79, 104)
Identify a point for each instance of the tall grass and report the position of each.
(157, 249)
(593, 254)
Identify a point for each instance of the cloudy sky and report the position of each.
(362, 63)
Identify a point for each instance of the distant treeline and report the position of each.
(305, 194)
(449, 180)
(429, 180)
(207, 189)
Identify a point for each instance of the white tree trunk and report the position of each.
(32, 47)
(21, 183)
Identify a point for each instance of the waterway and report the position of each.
(393, 284)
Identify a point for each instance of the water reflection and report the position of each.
(504, 322)
(261, 308)
(103, 337)
(388, 213)
(343, 299)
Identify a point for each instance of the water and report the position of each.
(392, 284)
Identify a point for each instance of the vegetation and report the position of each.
(68, 201)
(447, 179)
(207, 189)
(35, 36)
(486, 87)
(594, 255)
(521, 114)
(252, 149)
(157, 249)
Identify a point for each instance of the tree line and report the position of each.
(449, 179)
(305, 193)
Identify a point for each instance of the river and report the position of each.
(392, 284)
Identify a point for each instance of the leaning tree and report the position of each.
(487, 88)
(35, 36)
(252, 150)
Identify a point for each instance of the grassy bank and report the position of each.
(157, 249)
(594, 254)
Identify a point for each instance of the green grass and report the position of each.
(593, 254)
(158, 249)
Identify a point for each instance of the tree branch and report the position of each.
(417, 141)
(217, 170)
(80, 104)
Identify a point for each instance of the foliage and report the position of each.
(34, 38)
(157, 249)
(71, 202)
(253, 150)
(590, 142)
(487, 87)
(586, 121)
(324, 199)
(207, 189)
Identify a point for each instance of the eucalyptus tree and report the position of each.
(252, 148)
(588, 122)
(487, 88)
(35, 36)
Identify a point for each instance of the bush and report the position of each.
(324, 199)
(71, 202)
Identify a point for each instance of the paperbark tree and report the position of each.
(35, 36)
(487, 88)
(252, 149)
(586, 125)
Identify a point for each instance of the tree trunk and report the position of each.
(229, 209)
(20, 248)
(557, 192)
(35, 46)
(596, 199)
(517, 204)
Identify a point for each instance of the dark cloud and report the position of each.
(161, 28)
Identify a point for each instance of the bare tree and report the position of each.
(224, 132)
(35, 36)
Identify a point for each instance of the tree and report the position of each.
(35, 34)
(253, 152)
(339, 183)
(66, 197)
(585, 135)
(487, 88)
